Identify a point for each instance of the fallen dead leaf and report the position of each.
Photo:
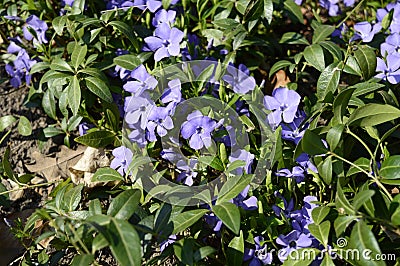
(83, 171)
(52, 168)
(280, 79)
(11, 185)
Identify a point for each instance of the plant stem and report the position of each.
(352, 11)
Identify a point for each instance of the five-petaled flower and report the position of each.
(389, 70)
(39, 26)
(198, 129)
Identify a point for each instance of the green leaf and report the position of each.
(319, 213)
(334, 136)
(74, 95)
(342, 203)
(325, 170)
(363, 239)
(99, 88)
(342, 223)
(233, 187)
(186, 219)
(366, 59)
(229, 214)
(6, 121)
(203, 252)
(58, 24)
(78, 55)
(352, 66)
(314, 55)
(294, 9)
(7, 165)
(59, 64)
(106, 174)
(322, 32)
(279, 65)
(328, 81)
(212, 161)
(95, 207)
(127, 61)
(366, 87)
(24, 126)
(72, 198)
(124, 205)
(293, 38)
(312, 144)
(125, 29)
(321, 232)
(97, 139)
(52, 131)
(268, 10)
(235, 251)
(340, 104)
(124, 243)
(39, 67)
(390, 168)
(51, 75)
(362, 162)
(82, 260)
(49, 104)
(361, 198)
(333, 49)
(373, 114)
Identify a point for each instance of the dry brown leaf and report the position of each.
(83, 171)
(280, 79)
(52, 168)
(11, 185)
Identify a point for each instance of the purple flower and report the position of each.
(395, 24)
(365, 31)
(295, 131)
(291, 242)
(258, 256)
(304, 161)
(246, 204)
(143, 81)
(382, 12)
(187, 171)
(391, 44)
(339, 32)
(289, 207)
(173, 93)
(331, 5)
(239, 79)
(84, 127)
(67, 2)
(198, 130)
(138, 135)
(390, 69)
(164, 16)
(151, 5)
(20, 66)
(160, 122)
(297, 173)
(243, 156)
(298, 2)
(348, 3)
(213, 221)
(137, 110)
(122, 159)
(124, 4)
(284, 102)
(39, 26)
(165, 42)
(171, 239)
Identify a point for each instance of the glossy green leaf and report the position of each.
(6, 121)
(322, 32)
(293, 38)
(366, 59)
(333, 49)
(74, 95)
(352, 66)
(229, 214)
(106, 174)
(99, 88)
(97, 139)
(312, 144)
(362, 163)
(342, 203)
(52, 75)
(125, 29)
(52, 131)
(124, 243)
(373, 114)
(321, 231)
(325, 170)
(342, 222)
(361, 197)
(314, 55)
(187, 219)
(334, 136)
(49, 104)
(78, 55)
(390, 168)
(24, 126)
(58, 24)
(268, 10)
(294, 10)
(72, 198)
(328, 81)
(59, 64)
(340, 105)
(319, 213)
(212, 161)
(82, 260)
(39, 67)
(279, 65)
(128, 61)
(235, 251)
(124, 205)
(366, 87)
(233, 187)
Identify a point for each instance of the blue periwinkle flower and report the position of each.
(291, 242)
(389, 70)
(331, 5)
(244, 156)
(283, 103)
(391, 44)
(165, 42)
(295, 131)
(143, 81)
(20, 67)
(122, 159)
(39, 26)
(365, 31)
(160, 122)
(164, 16)
(137, 110)
(239, 79)
(198, 130)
